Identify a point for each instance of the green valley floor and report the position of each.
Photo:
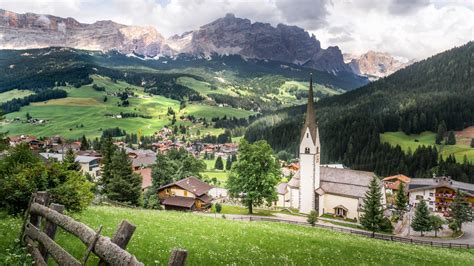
(212, 241)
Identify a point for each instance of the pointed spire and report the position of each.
(310, 121)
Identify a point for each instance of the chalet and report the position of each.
(141, 158)
(392, 183)
(186, 195)
(32, 141)
(438, 192)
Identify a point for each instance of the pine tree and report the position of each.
(460, 210)
(219, 165)
(401, 200)
(421, 222)
(372, 216)
(441, 133)
(228, 163)
(124, 185)
(70, 161)
(84, 143)
(107, 150)
(451, 138)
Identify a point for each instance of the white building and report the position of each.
(89, 164)
(321, 188)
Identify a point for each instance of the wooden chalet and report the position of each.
(187, 194)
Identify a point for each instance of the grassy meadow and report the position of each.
(10, 95)
(211, 241)
(412, 142)
(84, 112)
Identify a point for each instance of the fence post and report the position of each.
(178, 257)
(122, 236)
(50, 229)
(42, 197)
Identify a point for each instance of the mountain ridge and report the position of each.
(228, 35)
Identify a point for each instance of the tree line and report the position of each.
(15, 104)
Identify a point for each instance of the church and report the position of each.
(325, 189)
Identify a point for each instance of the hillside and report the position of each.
(211, 241)
(415, 99)
(228, 86)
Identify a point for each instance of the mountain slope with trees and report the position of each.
(421, 97)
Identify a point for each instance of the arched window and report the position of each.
(317, 150)
(307, 135)
(306, 150)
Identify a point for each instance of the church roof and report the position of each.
(310, 121)
(344, 182)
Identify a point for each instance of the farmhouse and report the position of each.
(186, 195)
(322, 188)
(438, 192)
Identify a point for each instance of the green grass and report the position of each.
(407, 142)
(10, 95)
(221, 176)
(231, 209)
(85, 107)
(211, 241)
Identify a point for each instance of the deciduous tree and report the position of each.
(254, 175)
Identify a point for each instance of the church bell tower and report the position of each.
(310, 150)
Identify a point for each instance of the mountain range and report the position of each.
(225, 36)
(375, 65)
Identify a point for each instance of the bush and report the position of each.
(151, 201)
(312, 218)
(218, 207)
(22, 173)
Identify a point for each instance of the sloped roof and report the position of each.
(178, 201)
(281, 188)
(403, 178)
(146, 177)
(205, 198)
(427, 183)
(191, 184)
(295, 181)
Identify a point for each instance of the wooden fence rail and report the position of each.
(40, 243)
(363, 233)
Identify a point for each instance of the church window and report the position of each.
(306, 150)
(307, 135)
(317, 150)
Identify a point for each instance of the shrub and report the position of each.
(312, 218)
(386, 225)
(218, 207)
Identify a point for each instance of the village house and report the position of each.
(141, 158)
(392, 183)
(187, 194)
(32, 141)
(438, 192)
(324, 189)
(89, 164)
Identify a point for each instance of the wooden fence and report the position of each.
(40, 243)
(364, 233)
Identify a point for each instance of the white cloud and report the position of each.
(412, 29)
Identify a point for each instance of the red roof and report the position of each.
(402, 178)
(146, 177)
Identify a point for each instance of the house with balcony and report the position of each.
(187, 194)
(438, 192)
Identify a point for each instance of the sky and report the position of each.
(412, 29)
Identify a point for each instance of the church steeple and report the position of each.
(310, 121)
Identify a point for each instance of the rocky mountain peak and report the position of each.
(374, 64)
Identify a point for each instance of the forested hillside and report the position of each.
(418, 98)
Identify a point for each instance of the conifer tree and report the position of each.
(372, 217)
(401, 200)
(219, 163)
(451, 138)
(124, 185)
(436, 223)
(107, 150)
(228, 163)
(460, 210)
(70, 161)
(441, 133)
(421, 222)
(84, 143)
(472, 143)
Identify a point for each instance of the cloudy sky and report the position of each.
(413, 29)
